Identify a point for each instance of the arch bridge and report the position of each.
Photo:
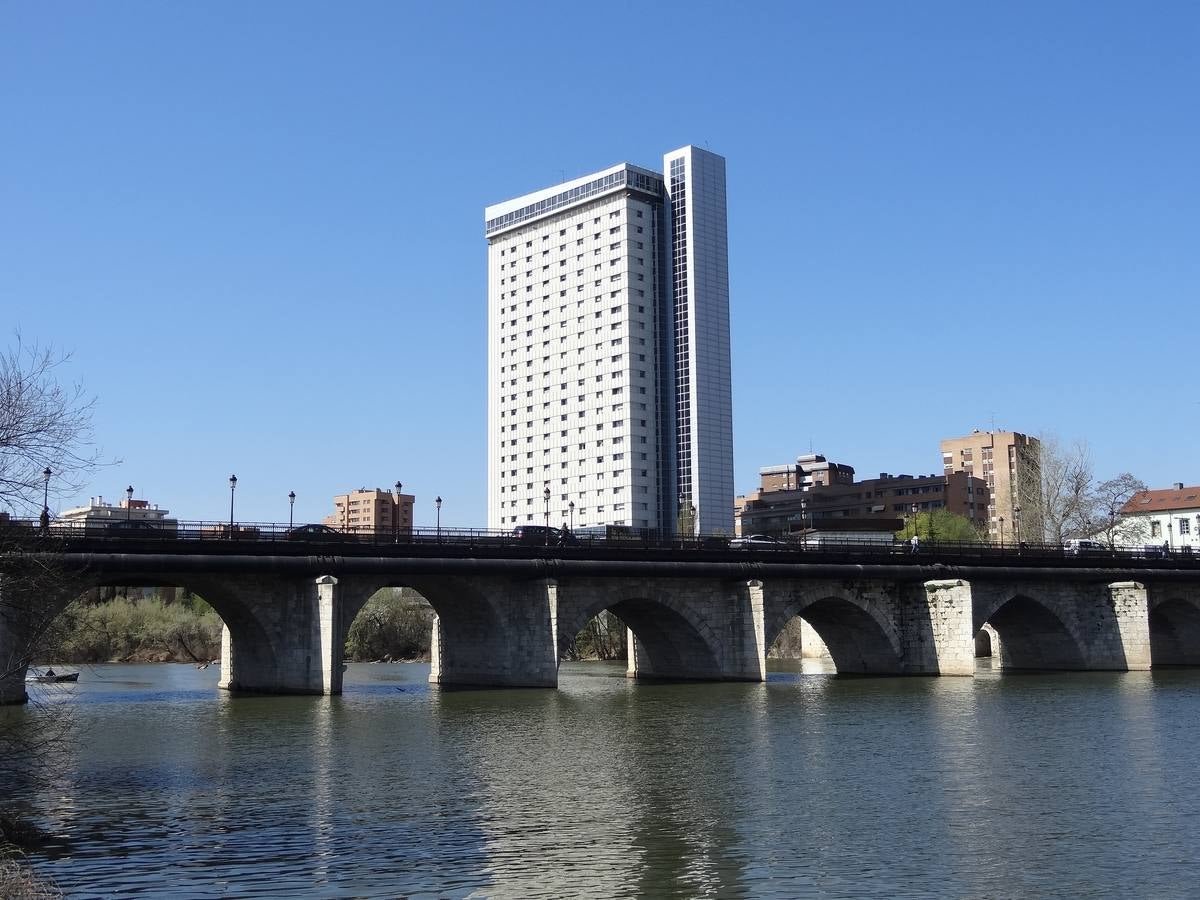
(506, 615)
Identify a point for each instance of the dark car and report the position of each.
(542, 535)
(317, 534)
(137, 528)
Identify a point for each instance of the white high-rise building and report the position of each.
(608, 351)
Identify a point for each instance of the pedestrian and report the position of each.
(915, 543)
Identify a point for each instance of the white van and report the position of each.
(1082, 546)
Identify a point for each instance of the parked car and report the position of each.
(758, 542)
(317, 534)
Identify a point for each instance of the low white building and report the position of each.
(97, 514)
(1170, 516)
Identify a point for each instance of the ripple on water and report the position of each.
(808, 785)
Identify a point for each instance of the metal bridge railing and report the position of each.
(257, 535)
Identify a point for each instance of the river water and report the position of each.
(1073, 785)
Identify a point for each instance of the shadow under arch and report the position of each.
(466, 615)
(249, 639)
(859, 638)
(1033, 637)
(674, 644)
(1175, 633)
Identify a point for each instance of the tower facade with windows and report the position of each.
(608, 351)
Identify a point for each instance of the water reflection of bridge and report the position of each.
(505, 613)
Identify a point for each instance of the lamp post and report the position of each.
(546, 498)
(396, 516)
(232, 487)
(438, 504)
(1170, 535)
(571, 509)
(128, 501)
(44, 519)
(1016, 521)
(913, 509)
(291, 508)
(1002, 531)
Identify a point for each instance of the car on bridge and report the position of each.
(137, 528)
(317, 534)
(758, 542)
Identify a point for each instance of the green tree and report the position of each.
(940, 525)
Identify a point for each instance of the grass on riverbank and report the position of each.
(19, 882)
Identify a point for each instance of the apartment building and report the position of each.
(1010, 464)
(373, 510)
(815, 493)
(608, 350)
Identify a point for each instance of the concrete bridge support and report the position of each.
(507, 642)
(879, 627)
(1066, 625)
(678, 629)
(281, 636)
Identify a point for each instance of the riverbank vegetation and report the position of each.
(152, 628)
(396, 624)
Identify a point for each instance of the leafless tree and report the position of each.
(1058, 494)
(43, 425)
(1109, 522)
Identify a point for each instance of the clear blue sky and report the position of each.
(258, 226)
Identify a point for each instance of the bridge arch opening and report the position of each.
(394, 624)
(1175, 633)
(852, 634)
(146, 619)
(668, 643)
(1032, 637)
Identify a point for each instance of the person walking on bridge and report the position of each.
(915, 543)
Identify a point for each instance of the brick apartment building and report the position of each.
(372, 510)
(1010, 463)
(815, 493)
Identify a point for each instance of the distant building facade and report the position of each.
(1010, 465)
(818, 494)
(1170, 516)
(99, 513)
(372, 510)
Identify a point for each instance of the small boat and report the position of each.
(51, 677)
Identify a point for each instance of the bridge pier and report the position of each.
(292, 645)
(506, 640)
(1073, 626)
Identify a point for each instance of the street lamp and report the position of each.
(1016, 521)
(1170, 535)
(128, 501)
(396, 516)
(291, 508)
(1002, 531)
(232, 486)
(438, 504)
(44, 519)
(546, 498)
(571, 509)
(913, 509)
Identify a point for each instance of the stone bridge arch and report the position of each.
(1065, 625)
(1174, 620)
(248, 648)
(475, 640)
(856, 622)
(675, 634)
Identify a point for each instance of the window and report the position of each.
(1185, 527)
